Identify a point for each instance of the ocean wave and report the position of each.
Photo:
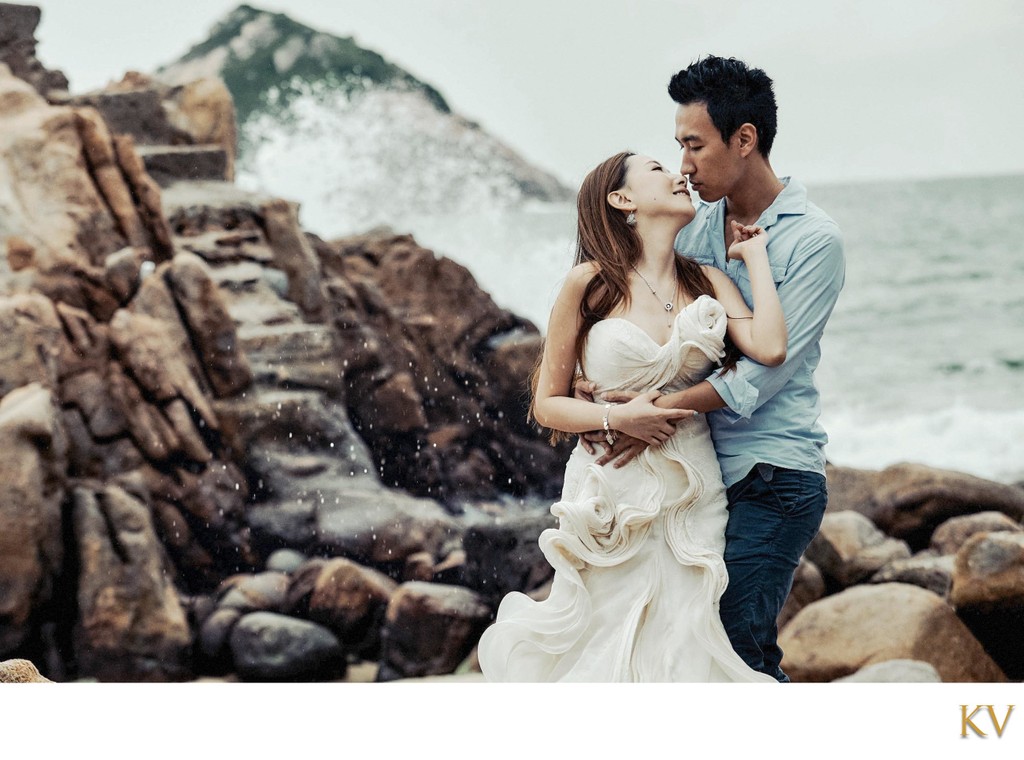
(981, 442)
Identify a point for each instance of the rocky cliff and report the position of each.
(192, 382)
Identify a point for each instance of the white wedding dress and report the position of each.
(638, 550)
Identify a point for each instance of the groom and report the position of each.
(764, 420)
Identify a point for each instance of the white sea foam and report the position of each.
(378, 157)
(982, 442)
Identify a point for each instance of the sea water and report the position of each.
(923, 358)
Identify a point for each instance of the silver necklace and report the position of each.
(668, 304)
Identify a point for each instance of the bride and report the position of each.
(638, 549)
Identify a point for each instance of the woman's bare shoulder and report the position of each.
(581, 275)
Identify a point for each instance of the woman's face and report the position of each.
(655, 191)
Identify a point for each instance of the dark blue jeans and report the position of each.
(773, 514)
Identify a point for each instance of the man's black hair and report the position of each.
(734, 94)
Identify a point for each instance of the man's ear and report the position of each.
(746, 138)
(619, 200)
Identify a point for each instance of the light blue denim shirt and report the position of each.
(772, 412)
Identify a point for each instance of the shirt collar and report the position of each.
(792, 201)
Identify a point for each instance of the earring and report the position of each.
(631, 219)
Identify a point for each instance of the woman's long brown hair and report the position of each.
(603, 237)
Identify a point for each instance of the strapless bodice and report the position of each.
(619, 355)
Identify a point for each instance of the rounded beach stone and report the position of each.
(271, 647)
(838, 635)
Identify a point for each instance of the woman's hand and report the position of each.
(747, 239)
(641, 419)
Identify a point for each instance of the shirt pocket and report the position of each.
(743, 277)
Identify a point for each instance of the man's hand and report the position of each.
(625, 450)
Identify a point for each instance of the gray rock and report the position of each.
(285, 561)
(264, 591)
(271, 647)
(932, 573)
(504, 556)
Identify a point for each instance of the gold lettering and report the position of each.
(965, 721)
(992, 714)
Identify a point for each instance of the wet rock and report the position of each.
(503, 556)
(377, 526)
(214, 647)
(261, 592)
(838, 635)
(351, 600)
(271, 647)
(429, 629)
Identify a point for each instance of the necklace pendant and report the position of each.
(668, 306)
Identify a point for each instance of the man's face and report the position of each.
(712, 166)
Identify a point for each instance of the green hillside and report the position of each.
(304, 57)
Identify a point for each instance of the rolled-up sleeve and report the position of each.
(808, 294)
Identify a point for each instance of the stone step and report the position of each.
(170, 163)
(220, 246)
(292, 355)
(195, 207)
(287, 342)
(139, 113)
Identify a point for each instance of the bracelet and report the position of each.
(607, 430)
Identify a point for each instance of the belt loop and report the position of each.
(766, 471)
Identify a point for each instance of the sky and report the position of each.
(867, 90)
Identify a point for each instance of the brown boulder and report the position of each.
(909, 501)
(865, 624)
(251, 593)
(849, 548)
(101, 157)
(32, 471)
(988, 594)
(808, 586)
(131, 624)
(32, 337)
(952, 534)
(147, 194)
(147, 350)
(18, 49)
(294, 255)
(351, 600)
(209, 325)
(50, 201)
(205, 111)
(429, 629)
